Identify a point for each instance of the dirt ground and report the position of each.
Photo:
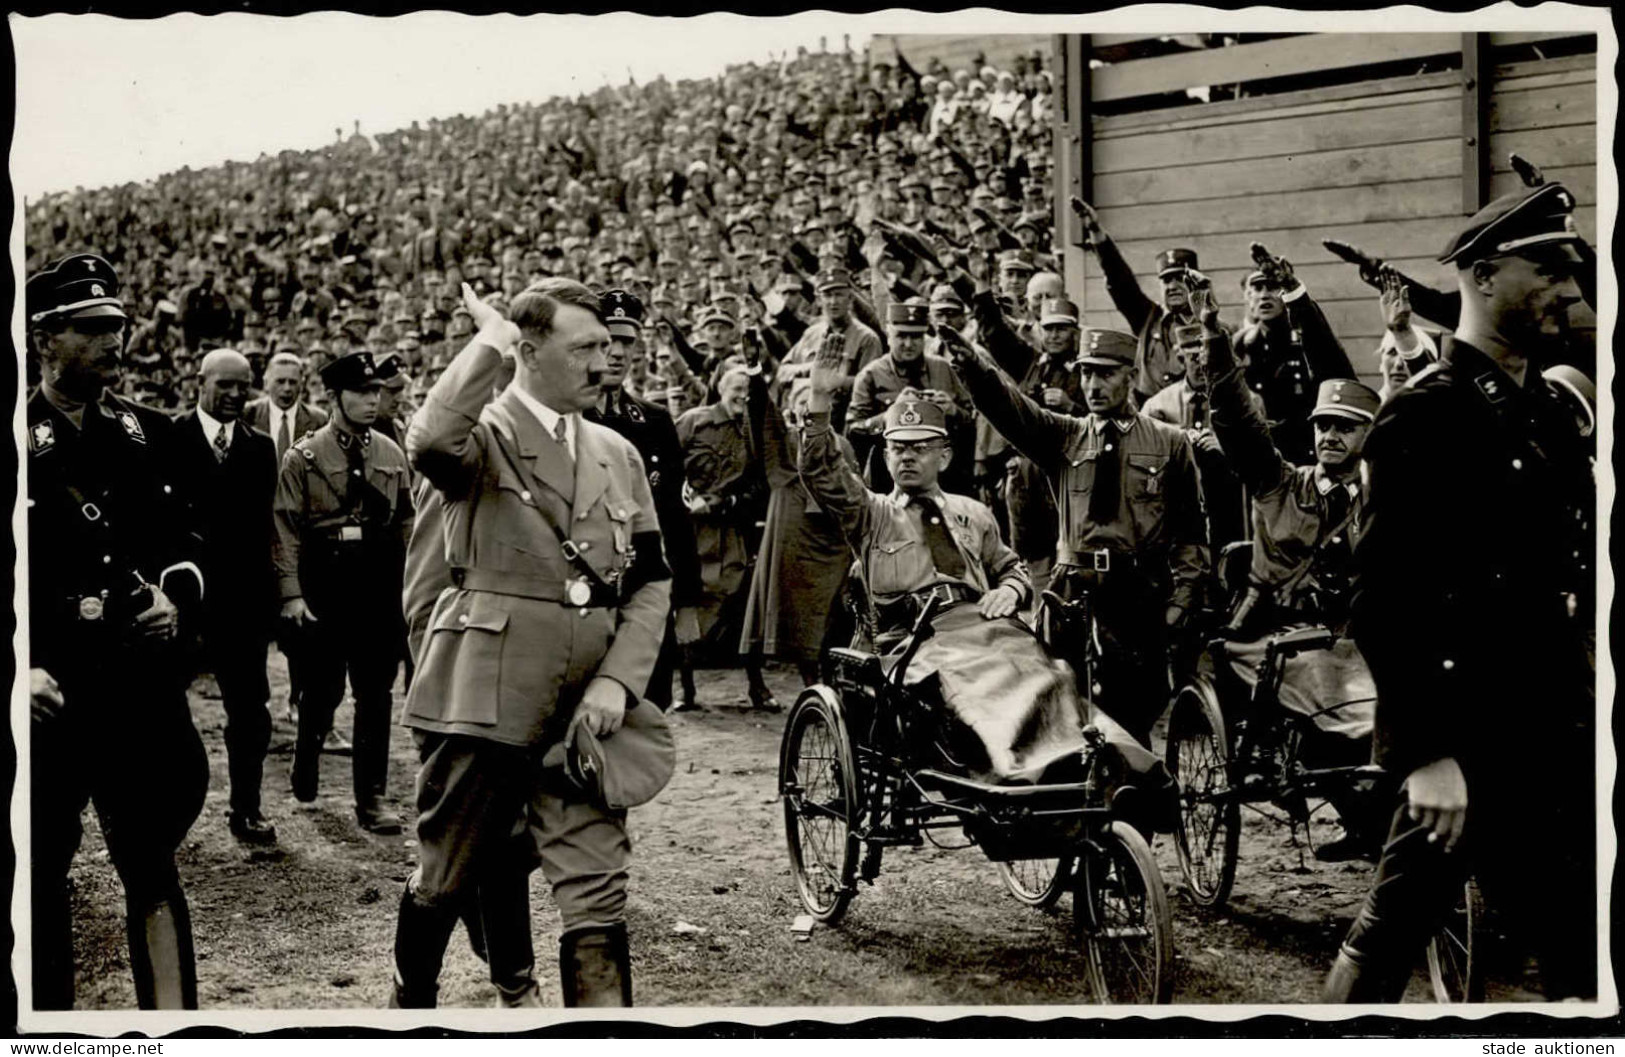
(310, 924)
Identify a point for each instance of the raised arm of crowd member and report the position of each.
(867, 518)
(767, 424)
(691, 356)
(1010, 352)
(1303, 317)
(1040, 435)
(1237, 421)
(1121, 285)
(1406, 349)
(833, 484)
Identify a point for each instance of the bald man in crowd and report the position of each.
(226, 476)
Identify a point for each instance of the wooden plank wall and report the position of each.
(1374, 163)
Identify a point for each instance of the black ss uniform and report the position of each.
(1477, 540)
(103, 522)
(650, 429)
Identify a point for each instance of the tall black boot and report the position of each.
(504, 907)
(161, 957)
(595, 967)
(421, 935)
(307, 753)
(52, 942)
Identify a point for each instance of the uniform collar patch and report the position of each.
(42, 437)
(1493, 388)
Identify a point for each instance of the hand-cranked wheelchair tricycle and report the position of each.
(1231, 745)
(869, 762)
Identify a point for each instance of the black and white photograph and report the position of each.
(526, 520)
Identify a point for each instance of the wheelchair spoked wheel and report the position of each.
(1455, 959)
(818, 782)
(1036, 883)
(1122, 914)
(1207, 832)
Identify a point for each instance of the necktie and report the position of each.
(1107, 490)
(284, 436)
(944, 555)
(561, 431)
(1337, 509)
(220, 446)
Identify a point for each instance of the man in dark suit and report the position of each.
(280, 413)
(285, 417)
(226, 474)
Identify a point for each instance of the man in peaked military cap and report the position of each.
(1130, 527)
(1306, 522)
(1476, 456)
(835, 325)
(907, 366)
(110, 577)
(343, 517)
(1153, 324)
(650, 429)
(957, 545)
(920, 544)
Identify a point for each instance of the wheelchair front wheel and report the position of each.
(1207, 833)
(1036, 883)
(1122, 915)
(1455, 959)
(818, 782)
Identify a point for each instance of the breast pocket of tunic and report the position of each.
(460, 679)
(1144, 477)
(899, 565)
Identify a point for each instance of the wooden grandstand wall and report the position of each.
(1384, 164)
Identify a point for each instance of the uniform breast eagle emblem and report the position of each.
(132, 426)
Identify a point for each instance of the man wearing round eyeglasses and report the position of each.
(919, 544)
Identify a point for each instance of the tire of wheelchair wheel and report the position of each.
(825, 888)
(1455, 954)
(1120, 908)
(1207, 837)
(1022, 883)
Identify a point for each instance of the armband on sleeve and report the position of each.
(648, 563)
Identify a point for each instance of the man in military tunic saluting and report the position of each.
(1485, 697)
(554, 621)
(343, 517)
(109, 563)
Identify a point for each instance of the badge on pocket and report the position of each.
(350, 533)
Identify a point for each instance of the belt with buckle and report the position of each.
(575, 591)
(1100, 561)
(906, 610)
(91, 607)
